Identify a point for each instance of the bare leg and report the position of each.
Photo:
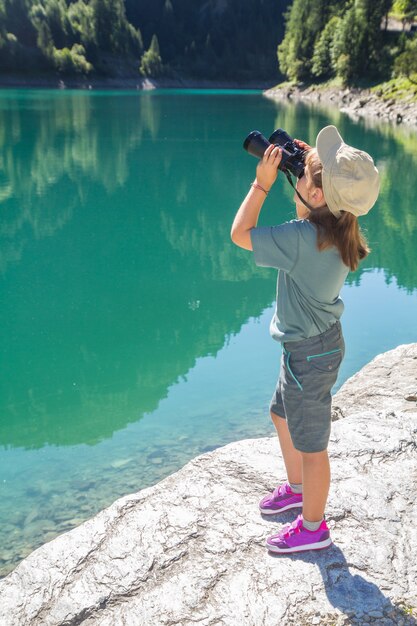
(316, 484)
(292, 457)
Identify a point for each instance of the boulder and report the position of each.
(191, 549)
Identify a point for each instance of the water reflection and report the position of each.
(116, 275)
(117, 269)
(52, 149)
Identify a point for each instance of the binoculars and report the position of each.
(292, 156)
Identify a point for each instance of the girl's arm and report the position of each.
(247, 216)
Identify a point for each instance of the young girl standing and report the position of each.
(313, 254)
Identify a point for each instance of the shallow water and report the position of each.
(135, 335)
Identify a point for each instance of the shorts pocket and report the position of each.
(327, 361)
(289, 368)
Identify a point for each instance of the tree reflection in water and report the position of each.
(115, 258)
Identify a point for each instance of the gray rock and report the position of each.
(190, 550)
(354, 102)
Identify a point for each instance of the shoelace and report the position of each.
(280, 491)
(291, 529)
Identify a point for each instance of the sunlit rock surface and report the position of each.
(354, 102)
(191, 549)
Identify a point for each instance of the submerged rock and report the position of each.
(191, 549)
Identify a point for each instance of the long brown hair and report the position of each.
(343, 232)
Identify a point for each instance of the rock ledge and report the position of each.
(190, 550)
(352, 101)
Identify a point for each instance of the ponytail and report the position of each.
(343, 232)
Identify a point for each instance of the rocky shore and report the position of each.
(191, 549)
(354, 102)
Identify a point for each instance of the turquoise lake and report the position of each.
(134, 333)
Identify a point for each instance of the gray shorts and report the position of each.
(308, 372)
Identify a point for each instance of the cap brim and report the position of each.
(328, 143)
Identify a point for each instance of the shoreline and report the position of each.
(353, 101)
(14, 81)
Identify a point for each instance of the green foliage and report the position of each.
(348, 44)
(151, 63)
(66, 35)
(305, 25)
(113, 32)
(406, 8)
(228, 39)
(71, 61)
(57, 19)
(399, 88)
(342, 40)
(81, 19)
(406, 63)
(323, 62)
(44, 39)
(304, 21)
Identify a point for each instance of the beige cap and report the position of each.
(350, 178)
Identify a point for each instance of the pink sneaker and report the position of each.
(295, 538)
(281, 499)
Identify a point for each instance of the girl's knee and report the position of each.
(313, 456)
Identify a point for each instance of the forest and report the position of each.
(348, 40)
(241, 40)
(212, 39)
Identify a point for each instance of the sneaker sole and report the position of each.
(310, 546)
(294, 505)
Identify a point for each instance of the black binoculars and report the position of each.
(292, 156)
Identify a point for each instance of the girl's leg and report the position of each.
(316, 484)
(292, 457)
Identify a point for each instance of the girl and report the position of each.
(313, 254)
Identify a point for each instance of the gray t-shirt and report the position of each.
(309, 281)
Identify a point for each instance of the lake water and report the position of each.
(134, 334)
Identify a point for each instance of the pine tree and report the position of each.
(57, 19)
(406, 63)
(151, 62)
(81, 18)
(322, 65)
(304, 23)
(341, 38)
(113, 33)
(357, 44)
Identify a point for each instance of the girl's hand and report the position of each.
(267, 169)
(302, 144)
